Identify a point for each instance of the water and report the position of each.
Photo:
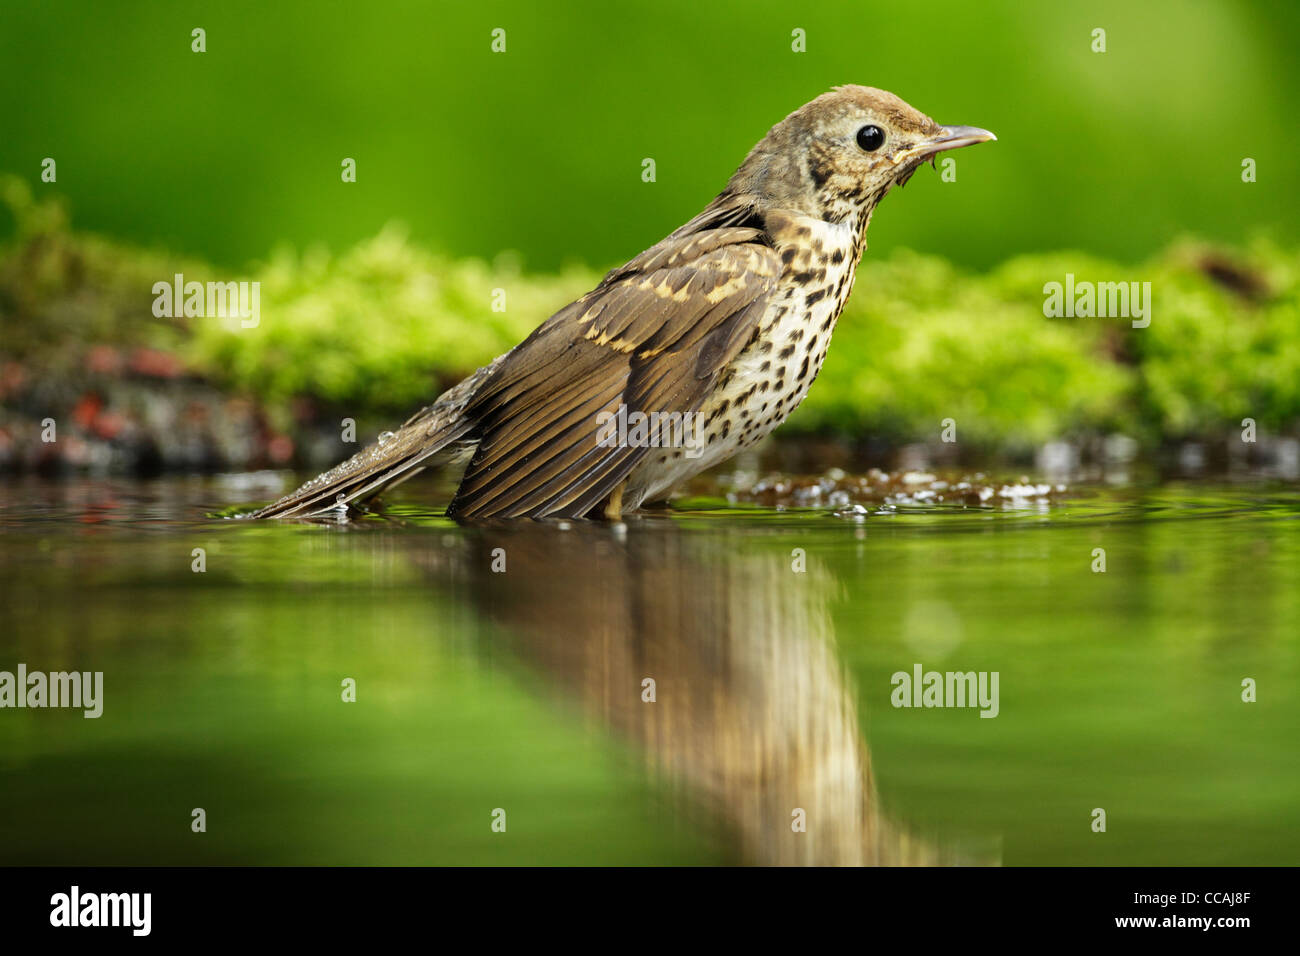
(521, 690)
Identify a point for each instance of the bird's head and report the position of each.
(843, 151)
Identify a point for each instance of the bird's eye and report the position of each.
(871, 138)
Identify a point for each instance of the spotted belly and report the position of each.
(766, 381)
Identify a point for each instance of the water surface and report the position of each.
(504, 668)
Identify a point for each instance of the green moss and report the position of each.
(1216, 355)
(920, 343)
(380, 328)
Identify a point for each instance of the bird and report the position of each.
(713, 335)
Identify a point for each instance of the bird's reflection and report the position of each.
(753, 718)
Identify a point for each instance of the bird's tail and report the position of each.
(441, 427)
(381, 465)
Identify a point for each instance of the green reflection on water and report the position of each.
(523, 690)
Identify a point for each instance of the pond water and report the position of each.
(502, 675)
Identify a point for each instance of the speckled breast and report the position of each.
(772, 375)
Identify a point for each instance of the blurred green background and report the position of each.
(224, 154)
(522, 171)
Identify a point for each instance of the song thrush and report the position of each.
(725, 322)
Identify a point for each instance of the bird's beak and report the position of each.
(950, 137)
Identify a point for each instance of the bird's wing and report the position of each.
(653, 336)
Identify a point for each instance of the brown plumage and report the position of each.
(726, 320)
